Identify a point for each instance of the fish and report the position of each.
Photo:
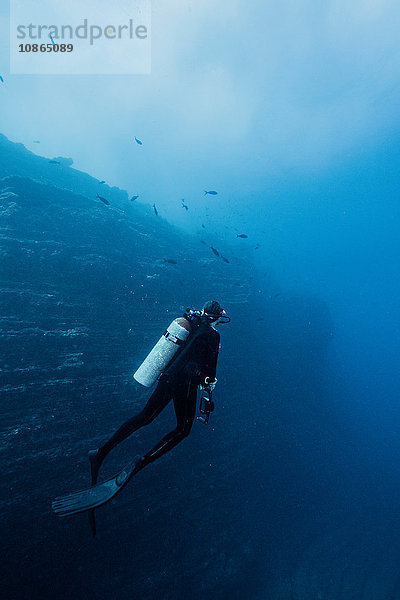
(257, 247)
(134, 198)
(203, 226)
(202, 242)
(171, 261)
(225, 259)
(1, 79)
(184, 205)
(276, 295)
(138, 141)
(214, 250)
(54, 162)
(211, 192)
(155, 210)
(260, 319)
(36, 141)
(104, 200)
(242, 235)
(102, 181)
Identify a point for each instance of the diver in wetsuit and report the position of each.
(193, 367)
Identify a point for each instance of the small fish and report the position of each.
(225, 259)
(134, 198)
(170, 261)
(214, 250)
(138, 141)
(257, 247)
(36, 141)
(54, 162)
(184, 205)
(102, 181)
(260, 319)
(203, 226)
(104, 200)
(211, 192)
(1, 79)
(155, 210)
(202, 242)
(242, 235)
(276, 295)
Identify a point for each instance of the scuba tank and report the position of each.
(170, 352)
(163, 352)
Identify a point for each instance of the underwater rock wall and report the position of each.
(86, 290)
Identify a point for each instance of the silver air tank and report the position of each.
(163, 352)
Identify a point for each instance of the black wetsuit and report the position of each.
(179, 383)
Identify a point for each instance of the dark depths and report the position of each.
(243, 508)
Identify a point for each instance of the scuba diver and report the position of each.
(183, 359)
(179, 382)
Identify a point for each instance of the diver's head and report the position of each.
(213, 310)
(210, 313)
(214, 313)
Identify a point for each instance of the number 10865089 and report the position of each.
(46, 47)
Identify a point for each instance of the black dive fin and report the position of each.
(94, 472)
(95, 496)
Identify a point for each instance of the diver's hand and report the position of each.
(209, 385)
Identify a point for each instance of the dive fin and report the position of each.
(95, 496)
(94, 466)
(94, 472)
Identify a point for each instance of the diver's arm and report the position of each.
(192, 369)
(209, 364)
(203, 365)
(211, 367)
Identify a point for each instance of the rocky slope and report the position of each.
(86, 290)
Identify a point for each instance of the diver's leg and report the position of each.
(156, 403)
(185, 410)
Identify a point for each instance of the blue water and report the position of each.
(291, 491)
(289, 112)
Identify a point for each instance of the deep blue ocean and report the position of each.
(291, 491)
(288, 113)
